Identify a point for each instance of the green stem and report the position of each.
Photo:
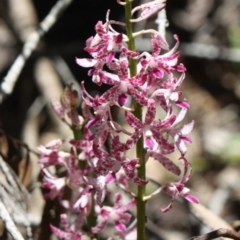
(141, 189)
(131, 41)
(140, 151)
(91, 218)
(77, 133)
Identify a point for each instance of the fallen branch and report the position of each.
(30, 45)
(11, 227)
(218, 233)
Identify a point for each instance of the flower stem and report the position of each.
(77, 133)
(131, 41)
(138, 113)
(91, 218)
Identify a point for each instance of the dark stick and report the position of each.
(218, 233)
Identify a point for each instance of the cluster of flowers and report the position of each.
(91, 167)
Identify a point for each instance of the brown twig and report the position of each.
(218, 233)
(30, 45)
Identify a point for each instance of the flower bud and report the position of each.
(70, 97)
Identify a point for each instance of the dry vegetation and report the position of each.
(209, 31)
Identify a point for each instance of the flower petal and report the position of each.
(86, 62)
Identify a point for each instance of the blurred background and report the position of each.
(209, 32)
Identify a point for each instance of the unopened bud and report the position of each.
(70, 97)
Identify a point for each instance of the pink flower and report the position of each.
(180, 136)
(54, 185)
(51, 157)
(175, 189)
(100, 157)
(85, 146)
(178, 188)
(103, 44)
(148, 9)
(70, 232)
(99, 185)
(153, 67)
(94, 72)
(117, 213)
(157, 134)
